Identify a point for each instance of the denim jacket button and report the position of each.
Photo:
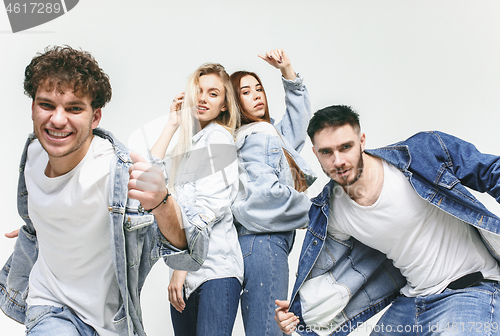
(315, 242)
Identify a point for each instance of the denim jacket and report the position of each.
(439, 167)
(267, 200)
(136, 242)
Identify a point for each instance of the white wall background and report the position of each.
(405, 66)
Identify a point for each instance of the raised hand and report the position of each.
(160, 147)
(175, 110)
(279, 59)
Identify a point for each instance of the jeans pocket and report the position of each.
(35, 314)
(283, 241)
(246, 244)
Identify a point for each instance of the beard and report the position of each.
(358, 169)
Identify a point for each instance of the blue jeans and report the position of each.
(265, 258)
(210, 310)
(470, 311)
(50, 320)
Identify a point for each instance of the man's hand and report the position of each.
(175, 295)
(286, 321)
(146, 184)
(12, 234)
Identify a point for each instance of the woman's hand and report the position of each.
(175, 293)
(175, 110)
(279, 59)
(174, 120)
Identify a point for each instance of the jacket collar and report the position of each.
(396, 155)
(121, 151)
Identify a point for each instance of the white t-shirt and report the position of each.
(74, 268)
(430, 247)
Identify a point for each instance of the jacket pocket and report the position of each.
(135, 222)
(120, 321)
(322, 299)
(134, 243)
(325, 259)
(449, 181)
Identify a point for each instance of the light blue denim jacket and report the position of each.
(136, 243)
(439, 167)
(267, 200)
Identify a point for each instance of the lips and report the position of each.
(202, 109)
(342, 173)
(57, 134)
(259, 106)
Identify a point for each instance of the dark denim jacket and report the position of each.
(136, 243)
(439, 167)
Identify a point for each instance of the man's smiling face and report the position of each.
(63, 122)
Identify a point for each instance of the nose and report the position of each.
(338, 160)
(202, 97)
(257, 96)
(59, 118)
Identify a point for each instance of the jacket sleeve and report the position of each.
(207, 190)
(293, 126)
(266, 202)
(474, 169)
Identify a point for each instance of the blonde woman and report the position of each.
(204, 177)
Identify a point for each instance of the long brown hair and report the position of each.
(245, 117)
(300, 183)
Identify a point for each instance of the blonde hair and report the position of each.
(189, 125)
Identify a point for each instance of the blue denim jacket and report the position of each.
(267, 200)
(136, 243)
(439, 167)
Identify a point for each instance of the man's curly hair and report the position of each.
(62, 67)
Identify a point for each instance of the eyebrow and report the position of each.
(48, 100)
(350, 143)
(248, 86)
(339, 146)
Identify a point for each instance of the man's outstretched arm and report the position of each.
(147, 185)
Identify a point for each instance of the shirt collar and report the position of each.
(206, 129)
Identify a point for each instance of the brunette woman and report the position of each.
(271, 202)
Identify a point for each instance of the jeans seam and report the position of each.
(492, 305)
(226, 280)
